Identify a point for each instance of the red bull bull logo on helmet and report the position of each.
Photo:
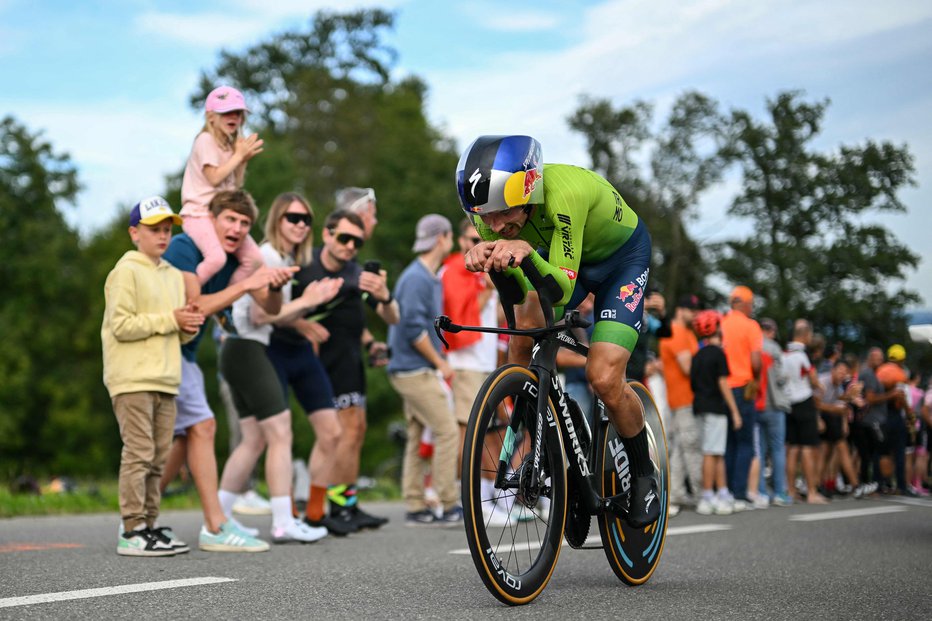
(531, 178)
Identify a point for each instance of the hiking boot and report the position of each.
(229, 539)
(142, 542)
(643, 502)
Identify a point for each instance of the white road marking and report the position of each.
(840, 515)
(114, 590)
(596, 540)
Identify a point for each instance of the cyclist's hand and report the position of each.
(476, 256)
(506, 253)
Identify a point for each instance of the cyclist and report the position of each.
(577, 230)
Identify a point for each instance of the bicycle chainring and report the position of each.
(578, 519)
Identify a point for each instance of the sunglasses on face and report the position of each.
(346, 238)
(295, 218)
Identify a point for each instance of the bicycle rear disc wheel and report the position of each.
(633, 553)
(514, 533)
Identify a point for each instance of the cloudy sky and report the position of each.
(108, 80)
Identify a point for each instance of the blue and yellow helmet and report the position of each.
(496, 173)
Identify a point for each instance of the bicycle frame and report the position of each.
(583, 469)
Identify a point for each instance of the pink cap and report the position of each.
(225, 99)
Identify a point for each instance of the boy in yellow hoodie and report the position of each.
(145, 321)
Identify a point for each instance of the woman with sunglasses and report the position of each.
(258, 383)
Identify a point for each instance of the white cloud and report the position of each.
(122, 150)
(502, 17)
(251, 21)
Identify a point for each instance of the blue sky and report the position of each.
(108, 80)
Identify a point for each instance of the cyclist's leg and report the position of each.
(620, 284)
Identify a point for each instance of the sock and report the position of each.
(281, 511)
(336, 497)
(315, 504)
(227, 500)
(350, 495)
(708, 494)
(638, 452)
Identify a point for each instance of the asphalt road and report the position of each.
(869, 559)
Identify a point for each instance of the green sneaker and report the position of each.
(143, 542)
(229, 539)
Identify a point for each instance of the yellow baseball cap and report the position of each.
(896, 353)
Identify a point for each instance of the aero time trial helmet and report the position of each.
(496, 173)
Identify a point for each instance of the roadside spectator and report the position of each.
(713, 402)
(232, 214)
(869, 422)
(676, 354)
(250, 502)
(417, 371)
(802, 424)
(654, 322)
(360, 201)
(218, 163)
(145, 322)
(344, 320)
(773, 406)
(743, 342)
(833, 405)
(469, 299)
(893, 377)
(258, 392)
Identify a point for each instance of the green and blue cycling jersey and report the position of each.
(585, 234)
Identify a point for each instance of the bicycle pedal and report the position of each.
(616, 505)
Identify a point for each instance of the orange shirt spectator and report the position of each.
(742, 339)
(679, 392)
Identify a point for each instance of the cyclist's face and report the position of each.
(506, 223)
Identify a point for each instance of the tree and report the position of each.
(50, 353)
(811, 253)
(684, 160)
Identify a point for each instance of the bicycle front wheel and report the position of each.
(634, 553)
(514, 528)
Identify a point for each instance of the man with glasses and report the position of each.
(343, 321)
(360, 201)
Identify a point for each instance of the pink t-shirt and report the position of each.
(196, 190)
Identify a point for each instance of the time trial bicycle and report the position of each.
(531, 455)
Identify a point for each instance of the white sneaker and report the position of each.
(705, 507)
(252, 532)
(252, 503)
(299, 532)
(724, 506)
(741, 505)
(673, 511)
(761, 501)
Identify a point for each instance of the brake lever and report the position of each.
(444, 324)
